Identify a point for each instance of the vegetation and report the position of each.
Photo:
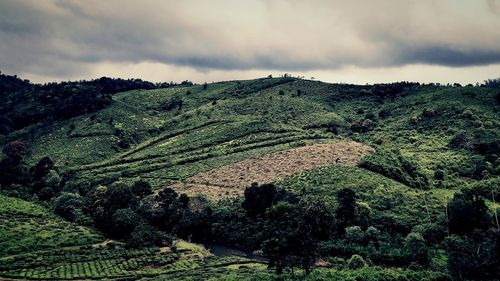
(85, 162)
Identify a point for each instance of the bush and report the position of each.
(356, 262)
(141, 188)
(145, 235)
(354, 234)
(67, 205)
(123, 222)
(363, 126)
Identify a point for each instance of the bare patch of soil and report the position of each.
(231, 180)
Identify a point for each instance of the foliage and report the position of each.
(392, 164)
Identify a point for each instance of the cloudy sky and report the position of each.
(336, 41)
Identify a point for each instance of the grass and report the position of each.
(27, 227)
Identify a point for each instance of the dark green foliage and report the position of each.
(174, 103)
(346, 210)
(141, 188)
(67, 205)
(292, 233)
(145, 235)
(184, 200)
(13, 167)
(391, 90)
(356, 262)
(467, 212)
(483, 141)
(23, 104)
(416, 249)
(492, 83)
(392, 164)
(258, 198)
(123, 222)
(118, 196)
(362, 126)
(474, 257)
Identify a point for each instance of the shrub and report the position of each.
(363, 126)
(141, 188)
(174, 103)
(67, 205)
(356, 262)
(123, 222)
(354, 234)
(145, 235)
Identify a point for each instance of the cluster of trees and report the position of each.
(383, 91)
(474, 242)
(133, 212)
(18, 179)
(23, 103)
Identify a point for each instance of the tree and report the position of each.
(118, 196)
(467, 212)
(42, 168)
(475, 257)
(346, 210)
(258, 198)
(145, 235)
(16, 150)
(278, 232)
(123, 222)
(416, 249)
(67, 205)
(292, 233)
(13, 168)
(141, 188)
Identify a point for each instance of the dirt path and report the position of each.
(231, 180)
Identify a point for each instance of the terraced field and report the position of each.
(114, 262)
(232, 179)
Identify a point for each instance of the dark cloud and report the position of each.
(446, 56)
(64, 38)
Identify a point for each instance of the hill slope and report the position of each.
(409, 148)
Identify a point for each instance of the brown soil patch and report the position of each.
(231, 180)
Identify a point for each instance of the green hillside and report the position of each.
(27, 227)
(232, 121)
(417, 207)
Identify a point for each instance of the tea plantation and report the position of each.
(99, 197)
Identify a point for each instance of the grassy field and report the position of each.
(27, 227)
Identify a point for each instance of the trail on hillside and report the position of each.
(231, 180)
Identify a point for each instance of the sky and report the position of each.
(351, 41)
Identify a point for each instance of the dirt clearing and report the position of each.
(231, 180)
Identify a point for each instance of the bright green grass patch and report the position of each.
(27, 227)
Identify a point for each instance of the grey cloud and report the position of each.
(67, 37)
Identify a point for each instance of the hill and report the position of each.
(400, 174)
